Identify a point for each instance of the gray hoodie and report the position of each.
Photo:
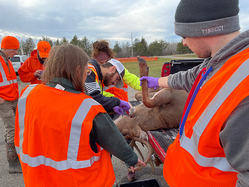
(235, 135)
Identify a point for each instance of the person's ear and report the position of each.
(78, 70)
(113, 68)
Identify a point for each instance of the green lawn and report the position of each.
(154, 67)
(187, 55)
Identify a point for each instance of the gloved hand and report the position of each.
(125, 105)
(152, 81)
(118, 110)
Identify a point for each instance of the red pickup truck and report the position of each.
(179, 65)
(160, 139)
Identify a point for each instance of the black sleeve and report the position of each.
(93, 89)
(107, 135)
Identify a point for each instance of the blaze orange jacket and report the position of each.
(27, 70)
(56, 151)
(121, 93)
(197, 158)
(8, 81)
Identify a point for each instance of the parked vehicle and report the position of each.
(179, 65)
(17, 61)
(160, 139)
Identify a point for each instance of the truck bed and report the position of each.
(161, 139)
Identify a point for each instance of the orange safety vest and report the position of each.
(197, 158)
(90, 66)
(8, 81)
(55, 151)
(121, 93)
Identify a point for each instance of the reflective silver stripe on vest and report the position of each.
(21, 115)
(5, 81)
(71, 162)
(191, 145)
(125, 89)
(90, 65)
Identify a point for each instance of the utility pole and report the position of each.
(131, 46)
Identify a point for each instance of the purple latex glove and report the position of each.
(125, 105)
(152, 81)
(118, 110)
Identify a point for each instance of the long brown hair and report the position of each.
(101, 46)
(63, 62)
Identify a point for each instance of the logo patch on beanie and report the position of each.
(212, 29)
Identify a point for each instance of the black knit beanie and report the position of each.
(200, 18)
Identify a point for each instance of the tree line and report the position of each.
(121, 50)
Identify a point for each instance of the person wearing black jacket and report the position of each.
(110, 73)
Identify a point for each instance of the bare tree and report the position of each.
(57, 42)
(20, 50)
(126, 49)
(171, 49)
(28, 46)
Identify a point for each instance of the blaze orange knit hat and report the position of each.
(43, 47)
(9, 42)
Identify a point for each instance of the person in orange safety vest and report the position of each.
(211, 148)
(102, 53)
(62, 138)
(9, 95)
(33, 67)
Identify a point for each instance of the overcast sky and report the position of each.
(113, 20)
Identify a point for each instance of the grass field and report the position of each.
(192, 55)
(155, 67)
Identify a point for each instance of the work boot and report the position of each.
(131, 176)
(14, 163)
